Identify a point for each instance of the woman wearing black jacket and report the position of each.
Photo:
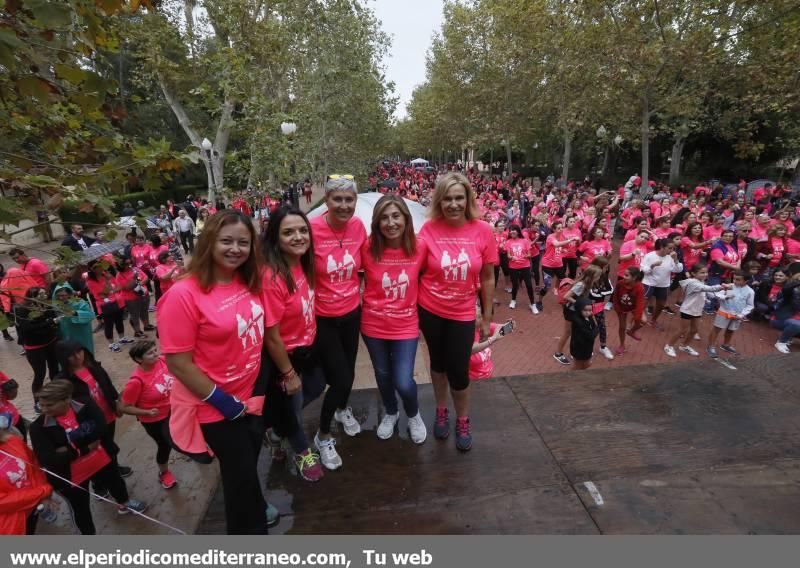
(37, 326)
(71, 440)
(90, 381)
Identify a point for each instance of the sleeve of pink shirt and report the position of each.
(132, 390)
(489, 254)
(179, 306)
(717, 254)
(274, 299)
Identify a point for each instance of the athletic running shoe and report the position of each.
(132, 505)
(540, 306)
(345, 418)
(669, 311)
(386, 427)
(561, 358)
(124, 471)
(99, 494)
(126, 340)
(782, 347)
(697, 337)
(688, 350)
(729, 349)
(327, 452)
(620, 351)
(308, 465)
(441, 428)
(712, 351)
(417, 429)
(608, 307)
(273, 516)
(139, 335)
(463, 436)
(534, 310)
(670, 351)
(512, 304)
(631, 334)
(167, 480)
(607, 353)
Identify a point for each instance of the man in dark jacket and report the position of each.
(189, 207)
(76, 241)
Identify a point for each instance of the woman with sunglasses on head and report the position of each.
(338, 238)
(390, 323)
(211, 326)
(459, 267)
(293, 368)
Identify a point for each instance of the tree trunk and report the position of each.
(796, 176)
(606, 160)
(508, 158)
(567, 155)
(645, 187)
(677, 155)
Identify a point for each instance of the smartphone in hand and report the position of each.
(507, 328)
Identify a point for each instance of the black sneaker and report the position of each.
(125, 471)
(729, 349)
(540, 306)
(561, 358)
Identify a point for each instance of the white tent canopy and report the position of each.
(366, 204)
(419, 162)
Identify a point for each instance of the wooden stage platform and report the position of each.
(688, 448)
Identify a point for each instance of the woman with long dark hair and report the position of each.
(390, 323)
(295, 376)
(37, 326)
(211, 326)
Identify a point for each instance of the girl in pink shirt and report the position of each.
(552, 261)
(597, 245)
(338, 237)
(295, 375)
(570, 254)
(146, 396)
(211, 327)
(519, 261)
(390, 322)
(693, 245)
(460, 260)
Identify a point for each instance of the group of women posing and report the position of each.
(295, 297)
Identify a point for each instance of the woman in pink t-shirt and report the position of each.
(518, 248)
(552, 262)
(146, 396)
(596, 245)
(211, 327)
(389, 322)
(338, 236)
(693, 245)
(294, 370)
(570, 253)
(167, 270)
(460, 259)
(103, 287)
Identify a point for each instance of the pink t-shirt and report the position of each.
(104, 291)
(7, 407)
(337, 260)
(452, 267)
(293, 312)
(758, 232)
(224, 328)
(123, 280)
(552, 257)
(150, 389)
(638, 253)
(389, 306)
(97, 396)
(710, 231)
(731, 256)
(691, 256)
(140, 254)
(571, 250)
(480, 363)
(161, 272)
(37, 269)
(793, 250)
(592, 249)
(519, 253)
(778, 248)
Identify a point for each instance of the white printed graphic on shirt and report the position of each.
(164, 385)
(395, 288)
(308, 308)
(455, 269)
(14, 470)
(341, 271)
(251, 329)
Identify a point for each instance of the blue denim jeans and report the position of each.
(789, 328)
(393, 361)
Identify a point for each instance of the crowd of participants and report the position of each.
(264, 320)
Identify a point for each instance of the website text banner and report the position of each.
(395, 552)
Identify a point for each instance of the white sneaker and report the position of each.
(416, 427)
(697, 337)
(327, 453)
(670, 350)
(688, 350)
(609, 306)
(782, 347)
(534, 309)
(512, 304)
(386, 427)
(345, 418)
(607, 353)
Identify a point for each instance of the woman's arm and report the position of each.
(277, 352)
(135, 410)
(182, 366)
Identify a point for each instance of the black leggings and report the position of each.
(523, 274)
(112, 317)
(159, 431)
(449, 346)
(337, 346)
(571, 266)
(78, 499)
(554, 272)
(502, 264)
(536, 263)
(42, 360)
(601, 325)
(236, 444)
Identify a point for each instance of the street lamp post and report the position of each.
(288, 129)
(207, 148)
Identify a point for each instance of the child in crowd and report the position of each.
(694, 297)
(9, 389)
(584, 331)
(736, 303)
(480, 363)
(628, 298)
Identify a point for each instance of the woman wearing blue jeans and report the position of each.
(389, 323)
(787, 315)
